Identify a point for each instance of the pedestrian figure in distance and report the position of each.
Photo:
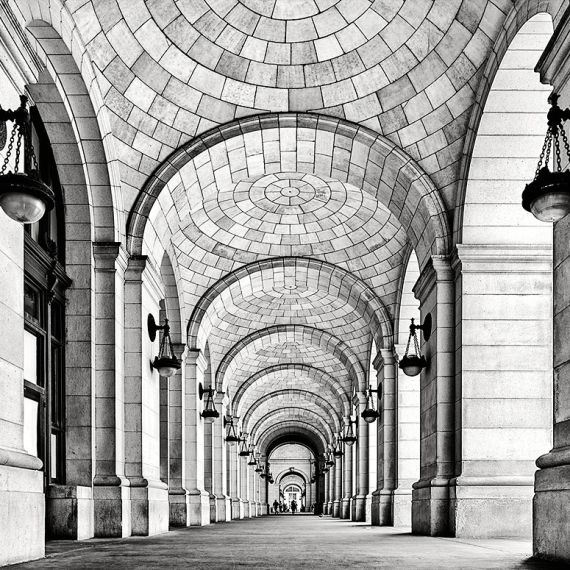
(276, 507)
(293, 506)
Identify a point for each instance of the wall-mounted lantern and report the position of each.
(337, 446)
(231, 435)
(252, 460)
(165, 363)
(413, 363)
(547, 197)
(349, 436)
(243, 448)
(23, 196)
(330, 459)
(369, 414)
(209, 413)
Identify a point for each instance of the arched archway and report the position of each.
(503, 267)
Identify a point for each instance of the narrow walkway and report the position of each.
(286, 541)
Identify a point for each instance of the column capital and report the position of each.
(385, 357)
(504, 258)
(180, 349)
(438, 269)
(194, 356)
(107, 254)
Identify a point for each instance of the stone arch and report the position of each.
(364, 299)
(373, 164)
(91, 132)
(309, 370)
(282, 474)
(291, 431)
(308, 335)
(520, 14)
(304, 417)
(302, 394)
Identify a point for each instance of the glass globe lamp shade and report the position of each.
(166, 366)
(24, 198)
(210, 415)
(412, 365)
(547, 197)
(369, 415)
(232, 439)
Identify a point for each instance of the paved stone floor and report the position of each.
(285, 541)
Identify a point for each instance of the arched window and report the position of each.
(45, 282)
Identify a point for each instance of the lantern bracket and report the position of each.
(152, 327)
(425, 327)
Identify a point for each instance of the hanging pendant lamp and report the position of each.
(413, 363)
(547, 197)
(165, 363)
(23, 195)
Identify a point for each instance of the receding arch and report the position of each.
(315, 398)
(311, 371)
(289, 431)
(308, 335)
(350, 288)
(260, 430)
(403, 187)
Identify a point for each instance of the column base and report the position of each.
(150, 510)
(336, 509)
(22, 514)
(430, 507)
(236, 508)
(491, 507)
(402, 508)
(551, 536)
(179, 511)
(199, 508)
(213, 509)
(111, 507)
(382, 508)
(224, 508)
(245, 509)
(345, 508)
(359, 508)
(69, 512)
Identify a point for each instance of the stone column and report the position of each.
(149, 495)
(331, 490)
(551, 525)
(177, 494)
(208, 468)
(362, 496)
(234, 481)
(326, 494)
(223, 510)
(346, 480)
(251, 490)
(383, 500)
(504, 410)
(337, 486)
(244, 486)
(431, 494)
(408, 442)
(198, 497)
(111, 492)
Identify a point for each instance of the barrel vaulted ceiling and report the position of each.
(288, 242)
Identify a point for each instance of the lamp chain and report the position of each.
(565, 141)
(9, 152)
(557, 150)
(545, 152)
